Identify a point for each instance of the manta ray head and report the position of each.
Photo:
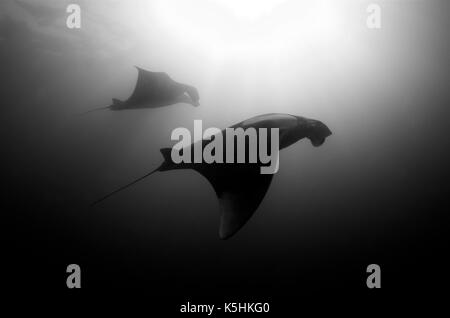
(193, 95)
(317, 132)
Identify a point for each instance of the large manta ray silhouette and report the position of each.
(240, 187)
(155, 89)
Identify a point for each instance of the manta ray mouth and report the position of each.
(316, 142)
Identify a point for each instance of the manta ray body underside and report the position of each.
(153, 90)
(240, 187)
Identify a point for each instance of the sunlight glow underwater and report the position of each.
(253, 29)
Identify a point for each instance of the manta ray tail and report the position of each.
(124, 187)
(116, 104)
(94, 110)
(164, 166)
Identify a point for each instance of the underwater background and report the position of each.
(375, 192)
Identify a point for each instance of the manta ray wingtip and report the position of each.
(224, 234)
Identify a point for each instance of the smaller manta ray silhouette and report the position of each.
(240, 187)
(153, 90)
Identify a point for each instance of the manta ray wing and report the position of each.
(240, 189)
(154, 88)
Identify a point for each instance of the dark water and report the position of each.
(375, 192)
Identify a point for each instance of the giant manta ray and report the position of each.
(240, 187)
(155, 89)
